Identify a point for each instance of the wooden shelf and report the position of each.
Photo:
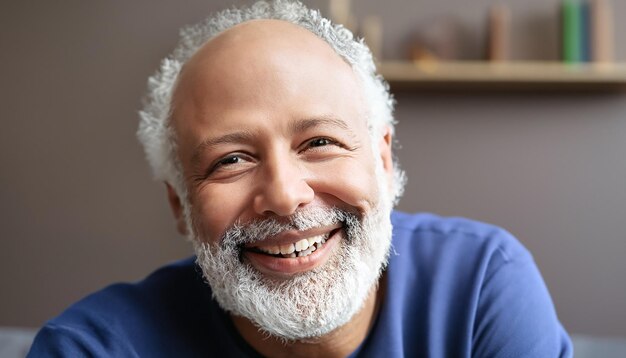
(505, 76)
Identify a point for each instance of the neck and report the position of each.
(338, 343)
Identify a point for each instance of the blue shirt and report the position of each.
(455, 288)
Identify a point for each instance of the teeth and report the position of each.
(287, 249)
(274, 250)
(315, 240)
(302, 245)
(306, 252)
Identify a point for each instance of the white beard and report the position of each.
(310, 304)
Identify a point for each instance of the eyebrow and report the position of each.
(308, 123)
(230, 138)
(245, 136)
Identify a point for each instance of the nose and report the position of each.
(282, 188)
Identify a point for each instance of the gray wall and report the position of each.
(78, 209)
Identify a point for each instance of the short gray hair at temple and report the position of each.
(158, 137)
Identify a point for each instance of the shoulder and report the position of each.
(432, 237)
(120, 318)
(128, 298)
(478, 277)
(427, 224)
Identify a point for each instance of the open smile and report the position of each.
(297, 254)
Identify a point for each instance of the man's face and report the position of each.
(270, 122)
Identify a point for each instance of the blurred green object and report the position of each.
(571, 31)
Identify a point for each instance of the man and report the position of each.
(273, 135)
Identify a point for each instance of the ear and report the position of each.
(177, 209)
(385, 152)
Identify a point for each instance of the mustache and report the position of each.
(238, 235)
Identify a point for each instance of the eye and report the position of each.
(320, 142)
(318, 148)
(230, 163)
(232, 159)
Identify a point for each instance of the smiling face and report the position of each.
(270, 123)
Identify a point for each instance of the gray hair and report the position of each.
(155, 132)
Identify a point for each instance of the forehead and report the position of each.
(263, 72)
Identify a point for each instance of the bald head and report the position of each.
(264, 35)
(259, 56)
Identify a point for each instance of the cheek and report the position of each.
(352, 182)
(215, 208)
